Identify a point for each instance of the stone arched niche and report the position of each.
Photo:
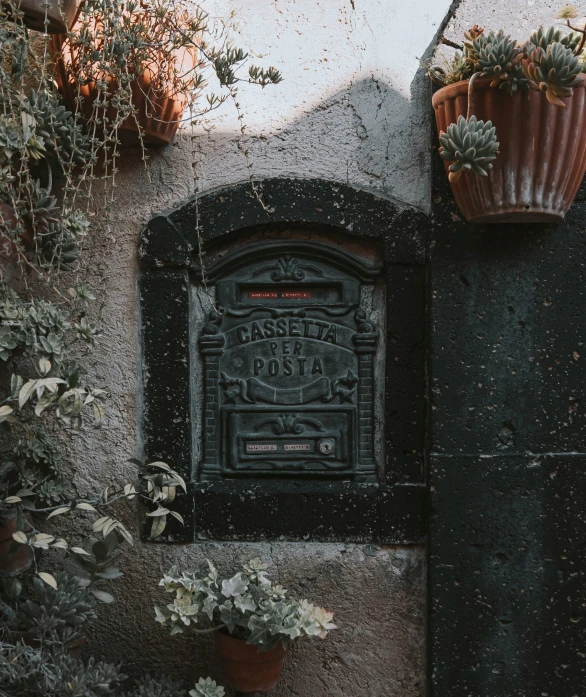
(284, 376)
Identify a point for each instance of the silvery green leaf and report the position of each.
(158, 526)
(213, 571)
(102, 596)
(44, 366)
(234, 586)
(25, 392)
(48, 579)
(160, 465)
(244, 603)
(228, 616)
(5, 412)
(16, 382)
(209, 605)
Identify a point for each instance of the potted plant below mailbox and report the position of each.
(512, 123)
(253, 620)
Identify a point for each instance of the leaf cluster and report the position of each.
(247, 605)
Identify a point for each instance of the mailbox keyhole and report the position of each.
(326, 446)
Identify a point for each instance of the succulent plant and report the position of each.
(54, 609)
(61, 135)
(51, 672)
(56, 246)
(10, 138)
(542, 38)
(555, 71)
(471, 145)
(162, 686)
(475, 41)
(206, 687)
(496, 59)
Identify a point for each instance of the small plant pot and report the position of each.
(541, 158)
(21, 560)
(60, 14)
(158, 111)
(246, 669)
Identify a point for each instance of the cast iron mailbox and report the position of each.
(288, 358)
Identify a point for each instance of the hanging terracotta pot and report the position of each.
(542, 152)
(60, 14)
(21, 560)
(245, 668)
(158, 109)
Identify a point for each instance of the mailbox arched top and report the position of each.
(171, 238)
(327, 254)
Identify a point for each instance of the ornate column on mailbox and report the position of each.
(365, 342)
(211, 345)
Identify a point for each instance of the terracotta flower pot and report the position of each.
(158, 109)
(60, 14)
(246, 669)
(21, 560)
(542, 152)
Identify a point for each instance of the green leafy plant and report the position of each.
(52, 154)
(53, 610)
(246, 605)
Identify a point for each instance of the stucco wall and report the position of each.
(352, 108)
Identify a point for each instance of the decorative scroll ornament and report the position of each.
(289, 423)
(254, 390)
(288, 268)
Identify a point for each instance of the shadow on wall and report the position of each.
(367, 135)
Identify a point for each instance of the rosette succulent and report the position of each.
(499, 60)
(555, 71)
(470, 145)
(542, 38)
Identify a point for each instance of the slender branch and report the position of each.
(470, 90)
(581, 31)
(581, 44)
(452, 44)
(209, 631)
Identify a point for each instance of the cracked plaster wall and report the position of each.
(351, 108)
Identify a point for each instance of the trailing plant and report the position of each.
(247, 605)
(131, 66)
(54, 148)
(552, 61)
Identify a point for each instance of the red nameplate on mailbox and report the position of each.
(261, 294)
(285, 295)
(296, 294)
